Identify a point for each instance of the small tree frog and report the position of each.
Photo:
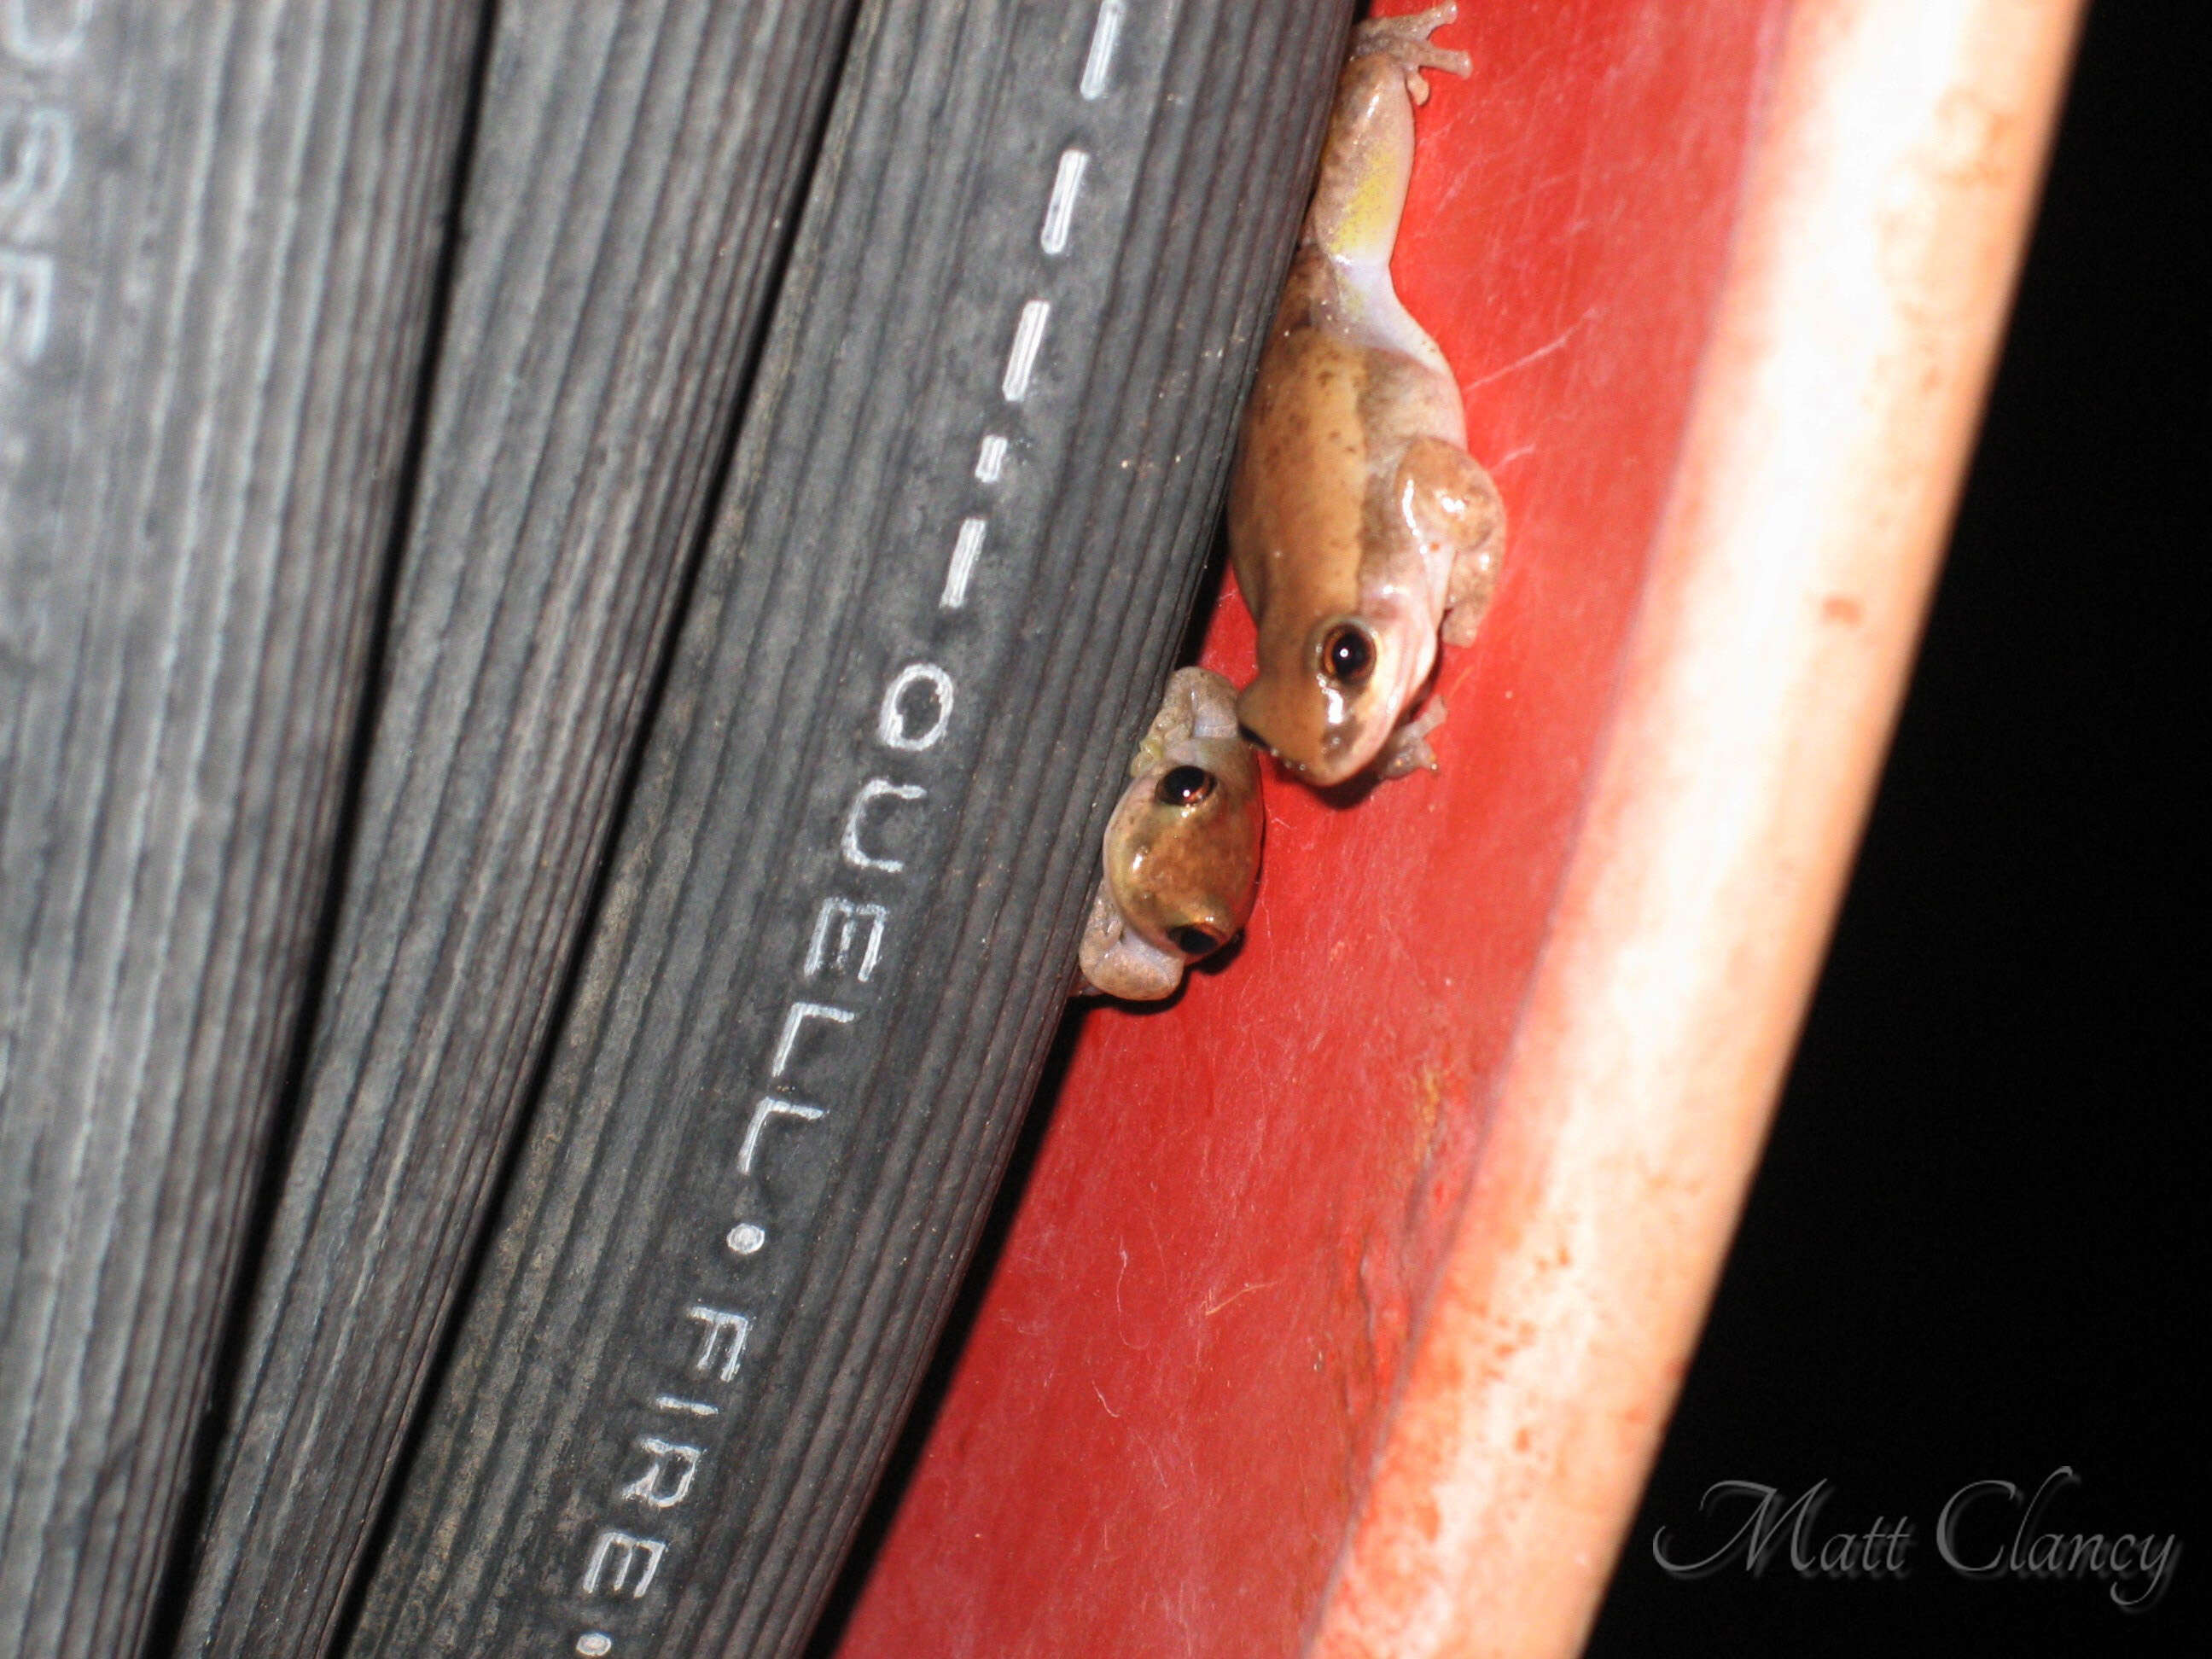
(1182, 849)
(1358, 524)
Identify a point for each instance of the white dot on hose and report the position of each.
(745, 1238)
(593, 1643)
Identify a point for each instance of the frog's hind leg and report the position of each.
(1474, 580)
(1367, 159)
(1456, 512)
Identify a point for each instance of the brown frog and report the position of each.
(1358, 524)
(1182, 849)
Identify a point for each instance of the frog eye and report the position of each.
(1347, 653)
(1195, 942)
(1184, 785)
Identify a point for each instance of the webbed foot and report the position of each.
(1405, 41)
(1408, 750)
(1114, 961)
(1198, 703)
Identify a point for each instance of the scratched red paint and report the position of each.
(1160, 1427)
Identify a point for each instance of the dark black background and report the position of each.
(1972, 1251)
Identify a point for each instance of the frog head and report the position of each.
(1328, 697)
(1181, 867)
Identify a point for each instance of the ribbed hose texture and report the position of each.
(635, 172)
(219, 229)
(771, 1124)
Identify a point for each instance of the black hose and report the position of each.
(842, 915)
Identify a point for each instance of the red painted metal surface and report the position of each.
(1163, 1421)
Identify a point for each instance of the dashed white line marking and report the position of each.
(967, 547)
(668, 1402)
(746, 1239)
(1105, 35)
(1029, 338)
(1060, 211)
(991, 460)
(595, 1644)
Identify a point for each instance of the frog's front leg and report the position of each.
(1196, 704)
(1114, 960)
(1408, 750)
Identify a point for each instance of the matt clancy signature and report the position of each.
(2137, 1568)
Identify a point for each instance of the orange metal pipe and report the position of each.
(1886, 209)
